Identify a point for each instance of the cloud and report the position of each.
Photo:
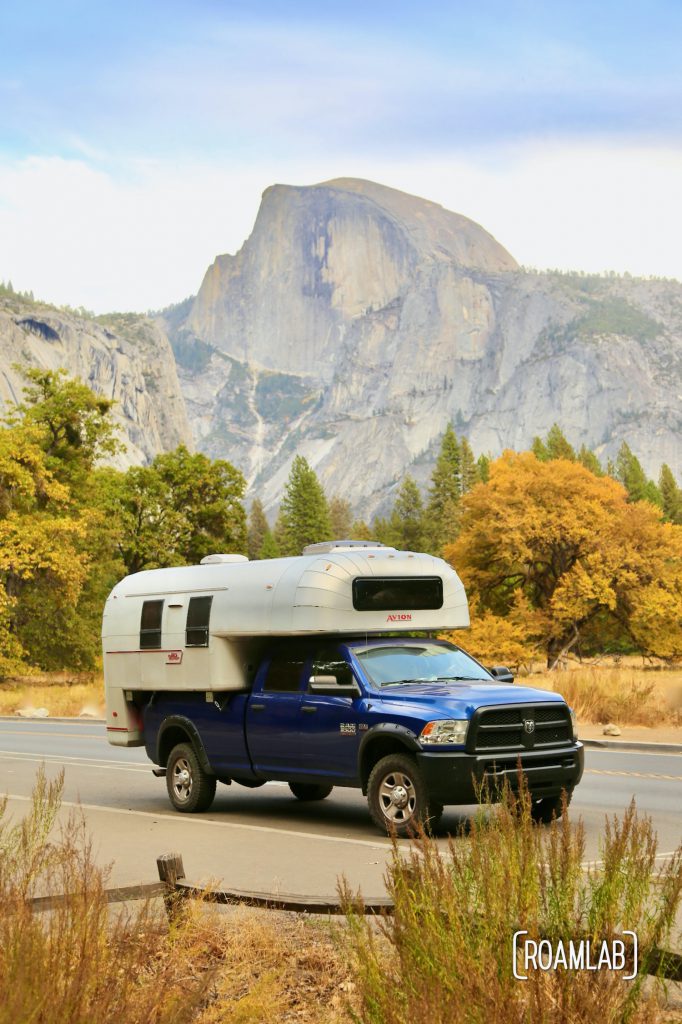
(141, 234)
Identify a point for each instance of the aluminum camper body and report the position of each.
(154, 637)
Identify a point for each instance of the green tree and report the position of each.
(208, 495)
(589, 460)
(341, 518)
(361, 531)
(557, 445)
(483, 467)
(539, 449)
(671, 495)
(304, 512)
(444, 493)
(406, 524)
(629, 472)
(269, 548)
(74, 425)
(44, 560)
(468, 468)
(257, 529)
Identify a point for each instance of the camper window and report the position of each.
(150, 625)
(198, 617)
(392, 593)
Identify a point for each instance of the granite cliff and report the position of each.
(352, 326)
(123, 356)
(356, 321)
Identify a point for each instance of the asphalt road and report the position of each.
(264, 839)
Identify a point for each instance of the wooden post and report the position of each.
(170, 870)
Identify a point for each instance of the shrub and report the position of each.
(446, 954)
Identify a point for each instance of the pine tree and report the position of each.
(483, 467)
(304, 512)
(361, 531)
(589, 460)
(557, 445)
(671, 495)
(468, 470)
(630, 473)
(446, 486)
(539, 449)
(407, 519)
(341, 518)
(269, 548)
(257, 529)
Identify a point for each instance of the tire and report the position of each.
(397, 796)
(190, 788)
(309, 791)
(549, 807)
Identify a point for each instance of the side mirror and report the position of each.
(328, 686)
(501, 673)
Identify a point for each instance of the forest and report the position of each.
(558, 553)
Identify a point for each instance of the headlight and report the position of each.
(449, 730)
(574, 723)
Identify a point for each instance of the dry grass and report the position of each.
(85, 961)
(446, 957)
(628, 696)
(61, 695)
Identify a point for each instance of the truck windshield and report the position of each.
(418, 662)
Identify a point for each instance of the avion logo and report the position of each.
(402, 617)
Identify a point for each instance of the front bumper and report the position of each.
(454, 778)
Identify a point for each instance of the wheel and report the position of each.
(549, 807)
(309, 791)
(397, 797)
(189, 787)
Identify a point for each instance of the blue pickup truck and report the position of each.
(416, 724)
(325, 670)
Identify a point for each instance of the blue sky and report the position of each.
(136, 138)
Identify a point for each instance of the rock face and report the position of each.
(357, 321)
(124, 356)
(352, 326)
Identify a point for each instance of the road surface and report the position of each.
(264, 839)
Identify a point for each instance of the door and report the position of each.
(331, 727)
(273, 716)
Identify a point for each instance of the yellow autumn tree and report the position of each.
(579, 555)
(40, 536)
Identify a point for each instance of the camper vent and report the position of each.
(327, 546)
(222, 559)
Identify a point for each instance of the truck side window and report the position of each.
(198, 617)
(150, 625)
(328, 662)
(284, 673)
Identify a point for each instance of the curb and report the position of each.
(52, 718)
(647, 746)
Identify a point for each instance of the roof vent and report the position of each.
(222, 559)
(326, 547)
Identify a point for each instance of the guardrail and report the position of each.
(174, 889)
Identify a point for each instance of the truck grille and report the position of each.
(520, 727)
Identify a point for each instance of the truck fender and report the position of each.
(187, 726)
(388, 737)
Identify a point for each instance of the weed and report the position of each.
(447, 953)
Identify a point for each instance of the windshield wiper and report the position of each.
(460, 679)
(406, 682)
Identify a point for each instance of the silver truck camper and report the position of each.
(202, 627)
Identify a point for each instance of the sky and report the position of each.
(136, 138)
